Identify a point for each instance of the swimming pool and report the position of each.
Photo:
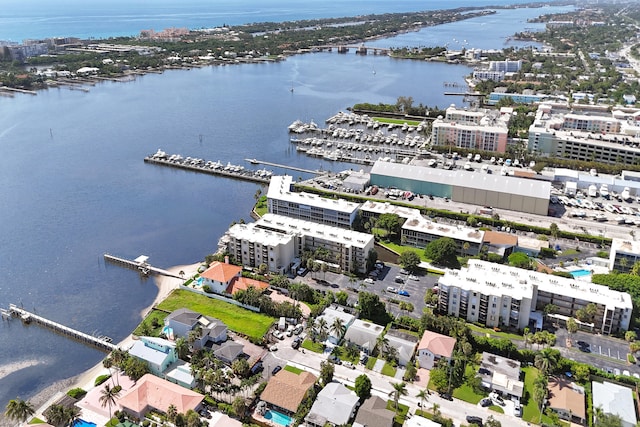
(82, 423)
(278, 418)
(580, 273)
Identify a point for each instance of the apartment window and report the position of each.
(493, 305)
(473, 306)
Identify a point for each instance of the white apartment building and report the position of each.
(506, 66)
(627, 250)
(499, 295)
(282, 200)
(496, 76)
(254, 246)
(471, 129)
(349, 249)
(586, 133)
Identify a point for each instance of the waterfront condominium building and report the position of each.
(624, 254)
(498, 295)
(282, 200)
(506, 66)
(586, 133)
(471, 129)
(254, 246)
(348, 248)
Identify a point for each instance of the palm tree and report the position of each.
(108, 363)
(108, 397)
(56, 415)
(546, 361)
(399, 389)
(381, 344)
(182, 348)
(72, 415)
(172, 411)
(323, 328)
(18, 410)
(423, 395)
(338, 328)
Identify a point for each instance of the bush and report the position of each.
(101, 379)
(76, 393)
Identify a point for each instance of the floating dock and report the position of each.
(102, 343)
(261, 177)
(139, 264)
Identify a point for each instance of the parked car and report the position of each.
(204, 413)
(369, 281)
(296, 342)
(517, 409)
(392, 289)
(277, 369)
(446, 396)
(335, 359)
(348, 365)
(403, 293)
(412, 277)
(273, 348)
(364, 358)
(399, 279)
(472, 419)
(486, 402)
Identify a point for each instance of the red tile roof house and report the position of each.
(153, 393)
(225, 278)
(433, 347)
(286, 390)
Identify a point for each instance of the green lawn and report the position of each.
(316, 347)
(396, 121)
(493, 333)
(293, 369)
(261, 206)
(401, 412)
(238, 319)
(497, 409)
(371, 362)
(466, 393)
(155, 316)
(530, 411)
(389, 370)
(400, 249)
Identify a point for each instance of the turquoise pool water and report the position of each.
(278, 418)
(580, 273)
(199, 281)
(83, 423)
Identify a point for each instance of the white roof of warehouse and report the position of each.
(462, 178)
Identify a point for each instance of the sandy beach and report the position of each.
(44, 398)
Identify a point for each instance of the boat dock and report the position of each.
(209, 167)
(276, 165)
(139, 264)
(102, 343)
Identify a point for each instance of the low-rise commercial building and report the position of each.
(499, 295)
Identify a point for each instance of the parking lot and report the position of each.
(415, 286)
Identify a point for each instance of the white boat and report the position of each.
(626, 194)
(468, 167)
(592, 191)
(432, 163)
(604, 191)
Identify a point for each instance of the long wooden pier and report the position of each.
(139, 264)
(102, 343)
(293, 168)
(243, 175)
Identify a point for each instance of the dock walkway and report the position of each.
(293, 168)
(243, 175)
(140, 264)
(102, 343)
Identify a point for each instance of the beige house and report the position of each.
(286, 390)
(433, 347)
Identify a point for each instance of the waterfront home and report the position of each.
(153, 393)
(220, 275)
(335, 405)
(433, 347)
(181, 322)
(161, 357)
(374, 413)
(286, 390)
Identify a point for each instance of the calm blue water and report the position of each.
(83, 423)
(580, 273)
(99, 18)
(278, 418)
(74, 185)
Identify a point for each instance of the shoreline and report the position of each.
(42, 399)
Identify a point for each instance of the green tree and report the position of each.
(240, 367)
(326, 372)
(581, 372)
(607, 420)
(540, 392)
(443, 252)
(440, 379)
(409, 259)
(399, 389)
(338, 328)
(520, 260)
(362, 387)
(371, 308)
(423, 395)
(18, 410)
(630, 336)
(239, 406)
(322, 329)
(108, 396)
(172, 411)
(182, 348)
(554, 230)
(635, 270)
(389, 222)
(546, 360)
(492, 422)
(410, 372)
(342, 297)
(572, 326)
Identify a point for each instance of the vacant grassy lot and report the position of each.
(396, 121)
(238, 319)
